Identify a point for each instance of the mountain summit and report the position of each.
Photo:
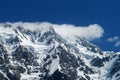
(40, 51)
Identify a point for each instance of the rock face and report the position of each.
(42, 54)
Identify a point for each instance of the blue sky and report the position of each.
(77, 12)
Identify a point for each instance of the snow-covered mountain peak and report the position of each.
(45, 51)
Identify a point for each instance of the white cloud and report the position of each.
(117, 44)
(90, 32)
(112, 39)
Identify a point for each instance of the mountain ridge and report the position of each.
(29, 53)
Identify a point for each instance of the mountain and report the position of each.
(39, 52)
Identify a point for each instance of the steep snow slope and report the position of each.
(38, 51)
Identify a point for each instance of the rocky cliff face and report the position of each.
(43, 54)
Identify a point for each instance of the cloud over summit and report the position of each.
(90, 32)
(69, 31)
